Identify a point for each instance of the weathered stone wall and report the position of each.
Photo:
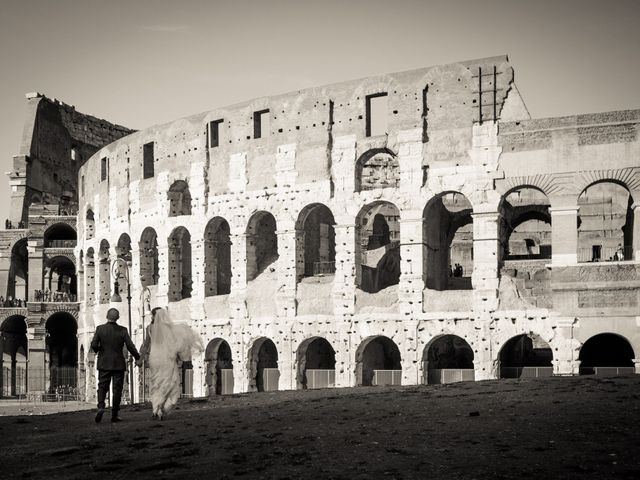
(309, 154)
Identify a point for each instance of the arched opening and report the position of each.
(377, 247)
(18, 280)
(316, 364)
(377, 168)
(90, 277)
(606, 354)
(180, 282)
(179, 199)
(315, 242)
(263, 358)
(526, 225)
(104, 272)
(13, 356)
(378, 362)
(219, 365)
(448, 242)
(60, 280)
(526, 356)
(448, 359)
(89, 225)
(217, 258)
(262, 243)
(605, 223)
(149, 257)
(62, 349)
(123, 251)
(60, 235)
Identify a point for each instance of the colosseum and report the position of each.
(409, 228)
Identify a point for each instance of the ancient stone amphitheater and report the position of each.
(416, 227)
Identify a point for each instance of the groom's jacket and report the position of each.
(108, 342)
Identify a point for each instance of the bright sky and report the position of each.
(143, 62)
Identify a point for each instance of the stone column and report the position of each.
(197, 274)
(564, 232)
(411, 282)
(162, 293)
(36, 267)
(344, 286)
(636, 364)
(286, 294)
(486, 254)
(37, 366)
(238, 294)
(565, 348)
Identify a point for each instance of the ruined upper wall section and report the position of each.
(298, 129)
(56, 141)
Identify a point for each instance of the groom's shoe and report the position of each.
(99, 415)
(115, 419)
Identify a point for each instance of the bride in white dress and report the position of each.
(167, 345)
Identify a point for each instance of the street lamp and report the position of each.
(145, 305)
(119, 268)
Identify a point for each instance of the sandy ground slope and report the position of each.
(552, 429)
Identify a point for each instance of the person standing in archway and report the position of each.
(108, 342)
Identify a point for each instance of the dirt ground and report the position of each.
(553, 429)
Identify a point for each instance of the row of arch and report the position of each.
(377, 359)
(525, 232)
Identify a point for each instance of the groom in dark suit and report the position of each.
(108, 342)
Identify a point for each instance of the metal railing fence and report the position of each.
(387, 377)
(317, 378)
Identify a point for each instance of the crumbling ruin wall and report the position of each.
(445, 135)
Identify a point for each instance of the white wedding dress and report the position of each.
(170, 344)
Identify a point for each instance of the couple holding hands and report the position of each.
(165, 347)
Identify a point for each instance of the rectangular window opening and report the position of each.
(214, 133)
(377, 114)
(147, 160)
(260, 123)
(104, 169)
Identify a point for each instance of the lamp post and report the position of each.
(145, 301)
(120, 266)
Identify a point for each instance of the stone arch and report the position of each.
(148, 248)
(219, 368)
(60, 278)
(447, 233)
(123, 251)
(525, 356)
(179, 199)
(104, 272)
(316, 363)
(263, 366)
(315, 241)
(526, 224)
(377, 246)
(217, 257)
(60, 235)
(89, 225)
(180, 281)
(448, 358)
(606, 354)
(605, 222)
(628, 178)
(377, 168)
(378, 354)
(13, 356)
(90, 277)
(262, 243)
(62, 352)
(18, 278)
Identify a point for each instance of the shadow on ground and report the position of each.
(554, 428)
